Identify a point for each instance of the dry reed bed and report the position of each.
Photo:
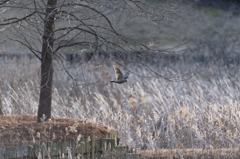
(190, 153)
(201, 112)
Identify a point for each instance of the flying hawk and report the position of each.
(119, 76)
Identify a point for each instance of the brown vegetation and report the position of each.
(23, 129)
(189, 153)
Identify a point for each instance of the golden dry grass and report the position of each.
(190, 153)
(23, 130)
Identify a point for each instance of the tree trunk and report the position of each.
(45, 101)
(1, 111)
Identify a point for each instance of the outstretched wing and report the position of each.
(118, 73)
(126, 75)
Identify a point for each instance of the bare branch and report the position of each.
(16, 20)
(4, 1)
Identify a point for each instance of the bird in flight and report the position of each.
(119, 76)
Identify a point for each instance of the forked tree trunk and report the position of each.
(45, 101)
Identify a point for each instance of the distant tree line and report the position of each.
(232, 5)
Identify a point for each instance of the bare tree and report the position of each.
(49, 27)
